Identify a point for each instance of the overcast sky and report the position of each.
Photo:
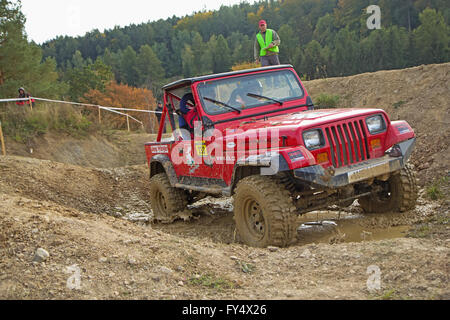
(47, 19)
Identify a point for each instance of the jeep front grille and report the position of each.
(348, 143)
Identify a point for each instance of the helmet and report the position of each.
(21, 89)
(209, 92)
(255, 87)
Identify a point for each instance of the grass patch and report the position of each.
(246, 267)
(399, 104)
(435, 191)
(420, 231)
(212, 282)
(325, 100)
(392, 294)
(388, 295)
(22, 124)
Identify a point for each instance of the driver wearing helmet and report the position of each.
(253, 87)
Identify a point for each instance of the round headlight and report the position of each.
(313, 139)
(375, 124)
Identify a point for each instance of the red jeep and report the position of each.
(259, 139)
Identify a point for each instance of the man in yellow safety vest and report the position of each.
(267, 46)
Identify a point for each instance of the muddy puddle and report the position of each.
(331, 227)
(214, 220)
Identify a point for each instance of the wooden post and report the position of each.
(31, 104)
(128, 123)
(99, 115)
(2, 139)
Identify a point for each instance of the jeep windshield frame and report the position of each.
(242, 91)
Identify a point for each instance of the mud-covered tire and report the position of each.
(166, 202)
(400, 194)
(264, 212)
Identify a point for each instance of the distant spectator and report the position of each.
(22, 95)
(159, 110)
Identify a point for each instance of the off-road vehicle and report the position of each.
(261, 141)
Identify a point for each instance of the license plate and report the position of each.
(370, 172)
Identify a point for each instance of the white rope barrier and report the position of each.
(13, 100)
(123, 114)
(76, 104)
(80, 104)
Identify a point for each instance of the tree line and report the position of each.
(320, 38)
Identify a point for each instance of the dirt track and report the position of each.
(97, 219)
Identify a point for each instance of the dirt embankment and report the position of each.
(419, 95)
(89, 209)
(107, 150)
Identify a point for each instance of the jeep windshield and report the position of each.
(249, 91)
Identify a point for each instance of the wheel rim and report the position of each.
(254, 218)
(161, 202)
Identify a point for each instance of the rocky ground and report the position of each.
(86, 226)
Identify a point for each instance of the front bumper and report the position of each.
(357, 172)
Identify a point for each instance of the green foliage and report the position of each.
(390, 295)
(22, 124)
(399, 104)
(212, 282)
(435, 191)
(326, 101)
(245, 266)
(149, 68)
(21, 63)
(321, 38)
(89, 76)
(432, 37)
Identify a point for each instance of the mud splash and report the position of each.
(213, 219)
(345, 229)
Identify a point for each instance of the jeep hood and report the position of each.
(306, 119)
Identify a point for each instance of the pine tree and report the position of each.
(432, 38)
(94, 76)
(128, 67)
(21, 63)
(150, 71)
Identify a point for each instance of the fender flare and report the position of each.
(167, 166)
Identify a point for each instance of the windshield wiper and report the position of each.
(252, 95)
(222, 104)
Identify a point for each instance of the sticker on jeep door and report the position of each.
(160, 149)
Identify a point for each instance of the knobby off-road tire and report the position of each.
(264, 212)
(166, 201)
(400, 194)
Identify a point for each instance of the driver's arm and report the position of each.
(183, 105)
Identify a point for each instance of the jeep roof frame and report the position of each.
(190, 81)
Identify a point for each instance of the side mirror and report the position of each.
(309, 103)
